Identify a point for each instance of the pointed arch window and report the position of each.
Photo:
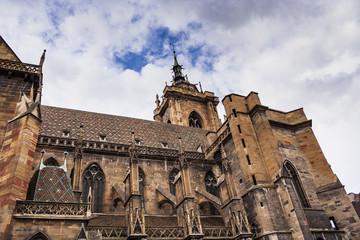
(39, 236)
(32, 185)
(172, 176)
(291, 172)
(51, 162)
(195, 120)
(94, 177)
(211, 184)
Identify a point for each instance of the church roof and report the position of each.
(117, 129)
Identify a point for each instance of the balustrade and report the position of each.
(35, 208)
(18, 66)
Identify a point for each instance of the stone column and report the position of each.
(78, 157)
(236, 213)
(187, 208)
(133, 203)
(17, 156)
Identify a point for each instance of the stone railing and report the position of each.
(50, 209)
(166, 233)
(152, 233)
(217, 233)
(108, 232)
(70, 143)
(18, 66)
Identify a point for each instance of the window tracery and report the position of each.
(94, 177)
(195, 120)
(172, 176)
(211, 184)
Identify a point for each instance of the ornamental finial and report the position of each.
(178, 76)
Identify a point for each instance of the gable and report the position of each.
(6, 52)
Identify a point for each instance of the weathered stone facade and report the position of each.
(259, 175)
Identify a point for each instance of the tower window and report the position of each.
(243, 143)
(164, 145)
(333, 223)
(239, 128)
(254, 179)
(230, 98)
(234, 112)
(195, 120)
(248, 159)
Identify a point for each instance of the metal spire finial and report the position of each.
(178, 76)
(64, 165)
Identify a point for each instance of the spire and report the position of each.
(42, 59)
(178, 76)
(157, 101)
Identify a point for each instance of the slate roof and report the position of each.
(107, 220)
(117, 129)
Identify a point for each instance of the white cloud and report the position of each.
(292, 53)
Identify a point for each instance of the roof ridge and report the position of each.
(139, 119)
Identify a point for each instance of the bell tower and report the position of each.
(183, 104)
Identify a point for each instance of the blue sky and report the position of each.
(115, 56)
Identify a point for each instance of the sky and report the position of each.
(115, 56)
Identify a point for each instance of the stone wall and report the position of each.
(115, 168)
(55, 229)
(10, 90)
(15, 163)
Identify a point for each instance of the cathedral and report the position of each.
(71, 174)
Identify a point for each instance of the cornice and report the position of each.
(117, 149)
(293, 127)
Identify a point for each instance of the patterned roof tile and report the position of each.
(53, 186)
(118, 129)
